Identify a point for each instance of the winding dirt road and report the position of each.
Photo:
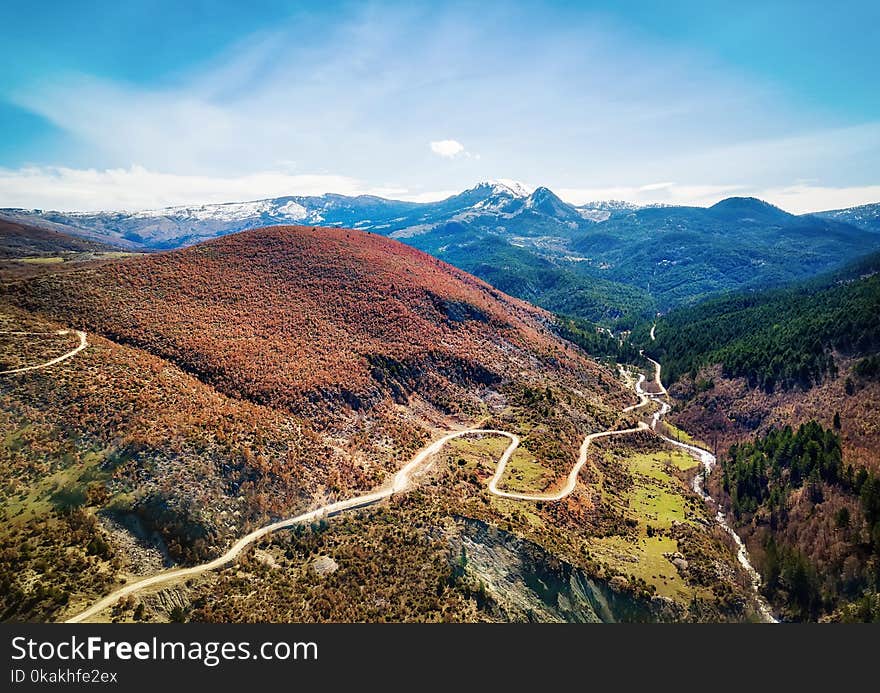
(657, 368)
(403, 480)
(82, 345)
(570, 482)
(400, 482)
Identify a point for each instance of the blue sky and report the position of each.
(150, 103)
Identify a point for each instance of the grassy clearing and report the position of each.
(66, 488)
(678, 434)
(653, 502)
(74, 257)
(655, 464)
(644, 559)
(480, 455)
(112, 254)
(477, 458)
(50, 260)
(656, 506)
(526, 474)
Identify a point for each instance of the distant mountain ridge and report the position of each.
(864, 216)
(605, 261)
(182, 225)
(21, 240)
(178, 226)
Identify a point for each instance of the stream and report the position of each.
(708, 462)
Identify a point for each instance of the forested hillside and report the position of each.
(754, 370)
(613, 263)
(539, 278)
(596, 340)
(254, 376)
(783, 338)
(815, 518)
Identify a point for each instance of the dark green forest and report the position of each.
(784, 337)
(596, 341)
(522, 273)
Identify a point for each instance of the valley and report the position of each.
(297, 441)
(783, 385)
(289, 375)
(557, 312)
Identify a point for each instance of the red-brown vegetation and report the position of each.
(316, 321)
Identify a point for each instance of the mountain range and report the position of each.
(863, 216)
(610, 262)
(174, 227)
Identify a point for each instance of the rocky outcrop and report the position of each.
(523, 582)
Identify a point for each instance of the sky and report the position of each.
(151, 103)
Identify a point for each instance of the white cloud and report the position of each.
(657, 186)
(138, 188)
(800, 199)
(448, 149)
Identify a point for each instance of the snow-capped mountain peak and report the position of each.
(601, 210)
(506, 186)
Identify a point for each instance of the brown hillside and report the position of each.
(264, 373)
(20, 240)
(311, 320)
(732, 412)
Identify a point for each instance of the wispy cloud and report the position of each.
(352, 103)
(800, 199)
(367, 96)
(138, 188)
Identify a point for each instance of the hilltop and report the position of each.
(314, 320)
(22, 240)
(610, 262)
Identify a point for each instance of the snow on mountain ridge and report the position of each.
(229, 211)
(609, 205)
(507, 186)
(293, 210)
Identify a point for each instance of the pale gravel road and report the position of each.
(82, 345)
(403, 481)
